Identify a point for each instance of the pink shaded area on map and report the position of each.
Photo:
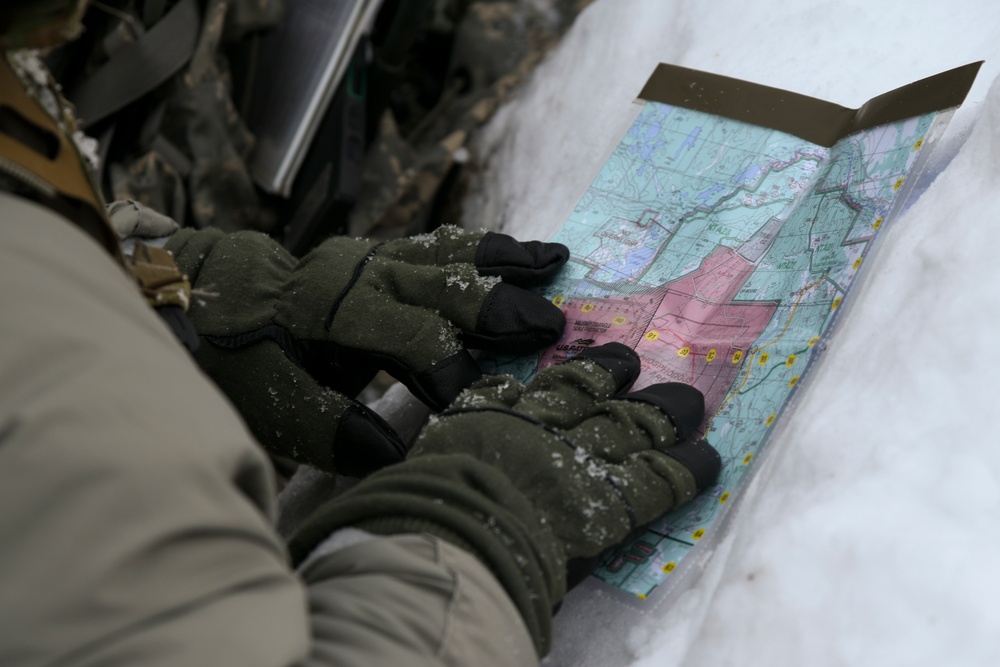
(689, 330)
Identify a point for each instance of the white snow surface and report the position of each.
(871, 533)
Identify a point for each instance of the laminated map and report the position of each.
(721, 240)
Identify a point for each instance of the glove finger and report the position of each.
(519, 262)
(655, 481)
(415, 345)
(491, 392)
(616, 501)
(612, 431)
(699, 457)
(500, 255)
(490, 314)
(291, 415)
(564, 395)
(445, 245)
(684, 404)
(657, 417)
(620, 360)
(513, 319)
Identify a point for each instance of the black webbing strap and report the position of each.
(152, 10)
(139, 67)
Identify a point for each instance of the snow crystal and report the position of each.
(557, 459)
(453, 279)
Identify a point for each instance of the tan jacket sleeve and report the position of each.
(412, 600)
(134, 505)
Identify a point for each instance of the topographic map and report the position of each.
(721, 251)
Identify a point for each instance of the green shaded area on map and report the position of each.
(721, 251)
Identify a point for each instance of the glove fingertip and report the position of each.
(683, 404)
(700, 458)
(519, 262)
(620, 360)
(516, 320)
(551, 256)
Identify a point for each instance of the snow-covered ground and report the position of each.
(871, 533)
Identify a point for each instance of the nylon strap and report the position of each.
(64, 173)
(152, 10)
(139, 67)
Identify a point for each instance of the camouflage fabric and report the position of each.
(196, 160)
(182, 148)
(39, 23)
(201, 115)
(152, 180)
(496, 44)
(428, 93)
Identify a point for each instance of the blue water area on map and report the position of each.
(750, 175)
(631, 268)
(688, 143)
(704, 197)
(647, 141)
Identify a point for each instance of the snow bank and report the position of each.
(870, 533)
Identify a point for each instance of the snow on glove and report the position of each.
(529, 477)
(277, 326)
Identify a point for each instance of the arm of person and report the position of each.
(135, 507)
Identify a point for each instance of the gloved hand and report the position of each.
(528, 478)
(274, 326)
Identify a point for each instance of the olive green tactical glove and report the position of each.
(278, 333)
(529, 478)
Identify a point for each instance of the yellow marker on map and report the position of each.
(684, 351)
(737, 356)
(652, 335)
(710, 357)
(877, 223)
(763, 359)
(669, 567)
(558, 300)
(770, 420)
(587, 307)
(619, 320)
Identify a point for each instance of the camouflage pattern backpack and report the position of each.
(172, 131)
(150, 81)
